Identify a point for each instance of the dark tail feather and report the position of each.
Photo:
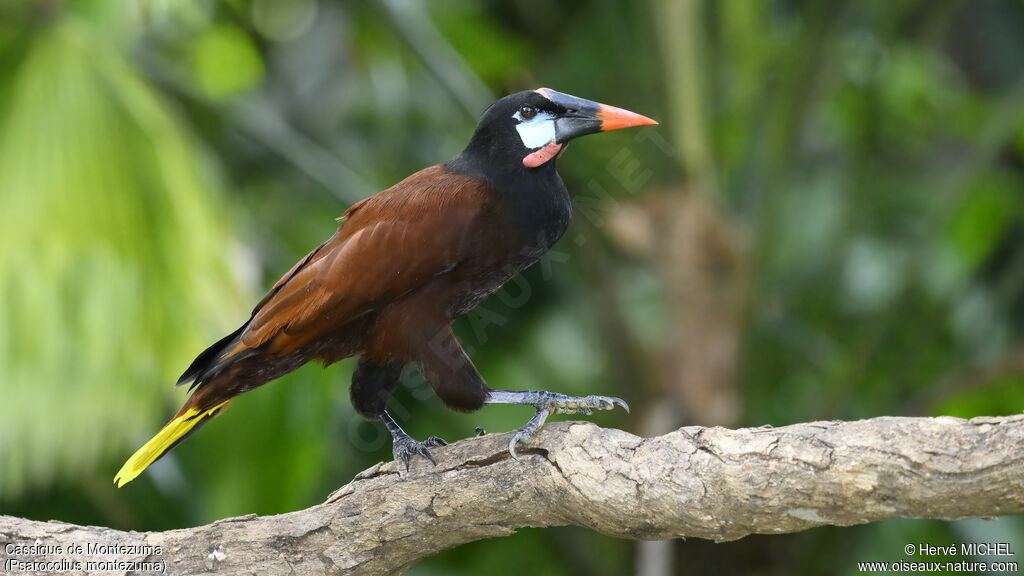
(203, 364)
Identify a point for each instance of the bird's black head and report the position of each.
(528, 130)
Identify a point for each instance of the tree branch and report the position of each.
(704, 482)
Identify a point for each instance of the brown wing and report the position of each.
(387, 246)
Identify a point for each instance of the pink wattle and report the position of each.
(549, 151)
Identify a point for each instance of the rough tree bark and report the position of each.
(695, 482)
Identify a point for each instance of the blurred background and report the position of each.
(827, 224)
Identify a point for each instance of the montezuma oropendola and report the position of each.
(402, 266)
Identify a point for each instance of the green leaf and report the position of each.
(112, 265)
(225, 62)
(982, 219)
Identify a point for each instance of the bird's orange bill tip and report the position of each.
(613, 118)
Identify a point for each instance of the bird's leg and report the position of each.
(548, 403)
(404, 446)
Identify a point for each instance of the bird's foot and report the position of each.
(562, 404)
(549, 403)
(405, 447)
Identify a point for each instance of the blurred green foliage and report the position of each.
(163, 162)
(111, 228)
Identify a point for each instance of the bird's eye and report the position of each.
(527, 112)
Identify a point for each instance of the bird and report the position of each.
(401, 267)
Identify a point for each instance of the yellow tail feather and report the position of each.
(162, 442)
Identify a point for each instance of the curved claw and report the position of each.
(405, 453)
(424, 451)
(548, 403)
(404, 450)
(622, 403)
(512, 448)
(404, 447)
(608, 403)
(518, 437)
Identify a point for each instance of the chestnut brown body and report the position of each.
(402, 266)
